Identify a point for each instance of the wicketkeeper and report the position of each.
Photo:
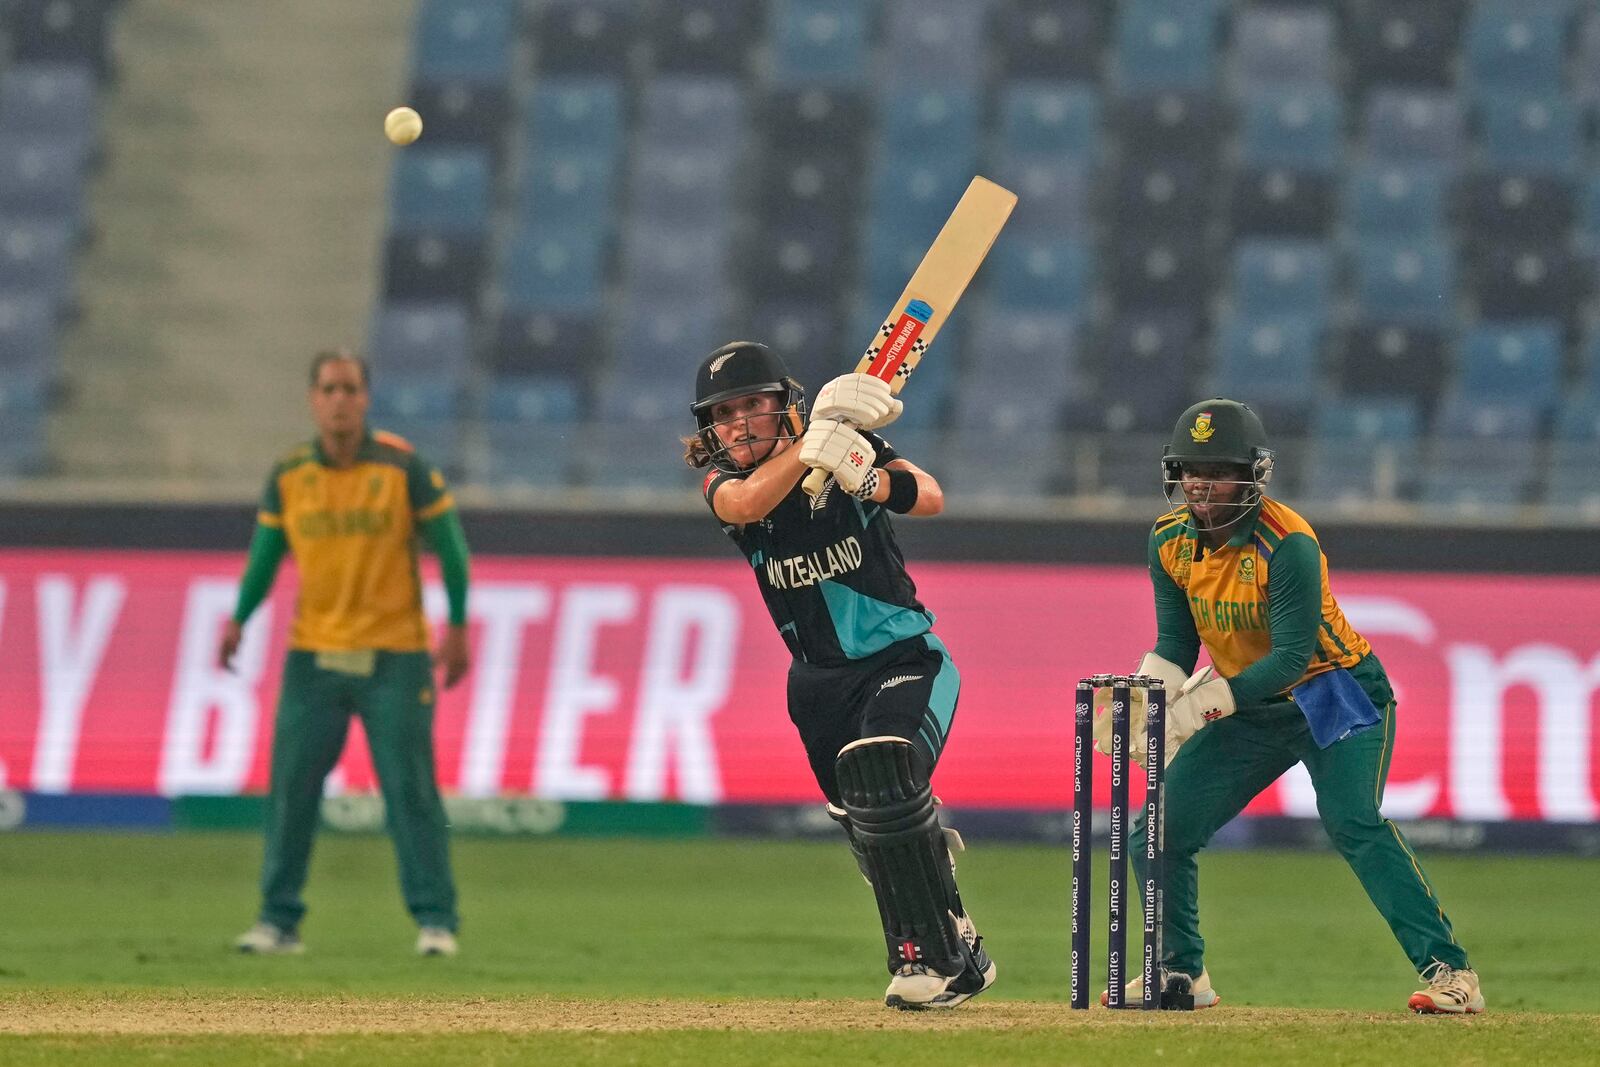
(1289, 682)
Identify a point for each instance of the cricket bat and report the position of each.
(931, 294)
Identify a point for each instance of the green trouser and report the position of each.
(1222, 768)
(395, 703)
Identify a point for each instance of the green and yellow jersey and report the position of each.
(353, 531)
(1259, 603)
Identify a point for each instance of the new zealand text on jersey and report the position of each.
(796, 572)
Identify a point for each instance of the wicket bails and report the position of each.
(1153, 890)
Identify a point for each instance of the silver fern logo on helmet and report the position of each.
(717, 363)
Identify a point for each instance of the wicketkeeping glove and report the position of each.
(841, 451)
(860, 399)
(1204, 698)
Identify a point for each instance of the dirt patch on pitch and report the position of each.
(182, 1014)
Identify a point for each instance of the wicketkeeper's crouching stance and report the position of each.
(871, 690)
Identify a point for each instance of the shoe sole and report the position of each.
(1422, 1004)
(944, 1000)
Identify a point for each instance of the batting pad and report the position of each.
(884, 785)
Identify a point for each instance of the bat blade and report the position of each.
(934, 289)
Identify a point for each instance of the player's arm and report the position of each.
(738, 501)
(908, 490)
(1294, 589)
(440, 523)
(268, 546)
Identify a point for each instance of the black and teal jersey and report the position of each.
(830, 571)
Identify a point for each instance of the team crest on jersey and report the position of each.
(1247, 570)
(820, 501)
(1202, 429)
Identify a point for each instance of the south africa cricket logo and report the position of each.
(1247, 570)
(1202, 429)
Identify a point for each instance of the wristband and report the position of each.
(902, 491)
(868, 486)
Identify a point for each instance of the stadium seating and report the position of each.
(1376, 219)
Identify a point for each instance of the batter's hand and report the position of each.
(836, 448)
(860, 399)
(232, 632)
(453, 656)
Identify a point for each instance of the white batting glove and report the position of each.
(838, 449)
(1204, 698)
(859, 399)
(1136, 719)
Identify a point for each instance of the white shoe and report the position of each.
(264, 939)
(1199, 988)
(915, 987)
(435, 941)
(1449, 992)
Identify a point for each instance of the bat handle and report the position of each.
(815, 481)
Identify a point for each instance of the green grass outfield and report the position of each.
(114, 949)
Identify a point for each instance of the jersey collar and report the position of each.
(1244, 530)
(362, 451)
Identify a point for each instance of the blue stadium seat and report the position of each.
(1283, 46)
(1573, 476)
(551, 269)
(1277, 202)
(466, 39)
(819, 42)
(430, 266)
(1513, 46)
(23, 447)
(580, 114)
(1271, 360)
(914, 199)
(929, 122)
(1052, 38)
(1154, 348)
(1531, 133)
(685, 187)
(1520, 279)
(1589, 212)
(1050, 118)
(60, 31)
(28, 364)
(1385, 358)
(1039, 274)
(1175, 273)
(542, 400)
(888, 256)
(674, 262)
(1392, 200)
(416, 402)
(1414, 125)
(1167, 123)
(1363, 450)
(819, 191)
(36, 258)
(52, 98)
(440, 190)
(1054, 194)
(1165, 44)
(1503, 361)
(1171, 197)
(796, 259)
(1403, 42)
(815, 120)
(42, 175)
(542, 343)
(1273, 278)
(658, 341)
(523, 454)
(1406, 281)
(576, 190)
(585, 36)
(701, 113)
(937, 40)
(1040, 348)
(412, 338)
(1518, 206)
(806, 334)
(648, 458)
(461, 111)
(1483, 455)
(1586, 61)
(704, 36)
(1300, 127)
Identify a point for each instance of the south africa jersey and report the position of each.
(830, 571)
(353, 534)
(1265, 590)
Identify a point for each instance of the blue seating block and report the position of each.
(1412, 282)
(1059, 119)
(1165, 44)
(577, 114)
(1300, 128)
(1520, 361)
(441, 190)
(819, 42)
(1393, 200)
(1272, 278)
(468, 39)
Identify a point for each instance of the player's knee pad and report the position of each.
(883, 782)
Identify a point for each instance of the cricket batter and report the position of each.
(871, 690)
(349, 505)
(1289, 682)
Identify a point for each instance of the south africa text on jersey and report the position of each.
(798, 571)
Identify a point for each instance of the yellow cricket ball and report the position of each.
(402, 125)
